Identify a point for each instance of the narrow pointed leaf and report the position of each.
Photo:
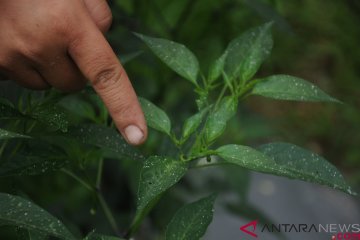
(217, 68)
(105, 138)
(247, 157)
(284, 87)
(174, 55)
(247, 52)
(157, 175)
(155, 117)
(216, 122)
(192, 220)
(51, 115)
(5, 134)
(287, 160)
(78, 106)
(192, 123)
(298, 163)
(24, 234)
(21, 165)
(16, 211)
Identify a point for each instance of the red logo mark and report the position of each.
(252, 231)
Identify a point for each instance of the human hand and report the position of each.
(46, 43)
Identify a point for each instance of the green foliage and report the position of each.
(298, 163)
(216, 122)
(217, 68)
(175, 55)
(16, 211)
(246, 53)
(106, 138)
(52, 116)
(157, 175)
(285, 87)
(155, 117)
(192, 123)
(4, 134)
(246, 157)
(88, 142)
(21, 165)
(192, 220)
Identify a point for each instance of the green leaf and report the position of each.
(175, 55)
(286, 87)
(216, 122)
(16, 211)
(155, 117)
(192, 123)
(192, 220)
(105, 138)
(247, 157)
(24, 234)
(247, 52)
(76, 104)
(287, 160)
(51, 115)
(20, 165)
(157, 175)
(216, 69)
(5, 134)
(298, 163)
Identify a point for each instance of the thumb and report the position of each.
(97, 61)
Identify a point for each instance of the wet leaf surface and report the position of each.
(175, 55)
(216, 123)
(246, 53)
(284, 87)
(192, 220)
(5, 134)
(157, 175)
(16, 211)
(298, 163)
(105, 138)
(155, 117)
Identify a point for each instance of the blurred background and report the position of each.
(316, 40)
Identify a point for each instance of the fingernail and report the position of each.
(133, 134)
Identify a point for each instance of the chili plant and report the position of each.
(36, 137)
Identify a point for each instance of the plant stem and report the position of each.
(99, 174)
(211, 165)
(98, 195)
(78, 179)
(220, 96)
(107, 213)
(2, 148)
(202, 154)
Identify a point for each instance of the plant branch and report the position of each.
(78, 179)
(109, 216)
(98, 195)
(99, 174)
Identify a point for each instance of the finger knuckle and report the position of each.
(105, 23)
(106, 77)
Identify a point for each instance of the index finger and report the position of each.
(99, 64)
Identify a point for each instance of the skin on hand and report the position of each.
(60, 44)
